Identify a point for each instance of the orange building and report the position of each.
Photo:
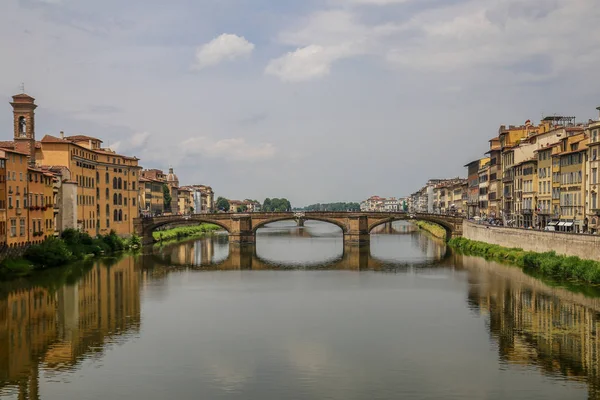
(15, 188)
(107, 183)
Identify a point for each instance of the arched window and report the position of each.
(98, 192)
(115, 200)
(107, 194)
(107, 211)
(115, 183)
(116, 215)
(22, 126)
(107, 179)
(120, 184)
(97, 176)
(120, 199)
(120, 215)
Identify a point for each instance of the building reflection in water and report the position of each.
(535, 325)
(52, 330)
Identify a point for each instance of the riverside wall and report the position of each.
(583, 246)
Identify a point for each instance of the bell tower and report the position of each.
(24, 124)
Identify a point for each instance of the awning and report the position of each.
(568, 224)
(552, 223)
(561, 224)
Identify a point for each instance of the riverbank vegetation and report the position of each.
(73, 245)
(548, 264)
(434, 229)
(184, 232)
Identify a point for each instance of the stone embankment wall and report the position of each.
(583, 246)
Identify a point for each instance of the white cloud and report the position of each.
(135, 142)
(224, 47)
(323, 38)
(306, 63)
(234, 149)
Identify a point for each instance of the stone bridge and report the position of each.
(242, 227)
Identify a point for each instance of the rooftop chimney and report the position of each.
(62, 135)
(598, 108)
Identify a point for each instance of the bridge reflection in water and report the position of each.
(50, 326)
(218, 253)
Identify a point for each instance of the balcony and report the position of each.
(527, 211)
(544, 211)
(508, 179)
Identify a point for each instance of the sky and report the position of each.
(312, 100)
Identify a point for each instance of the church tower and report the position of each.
(24, 124)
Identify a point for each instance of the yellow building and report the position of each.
(16, 213)
(544, 189)
(151, 196)
(572, 162)
(40, 202)
(593, 181)
(107, 183)
(528, 178)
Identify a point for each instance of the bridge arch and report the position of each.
(445, 225)
(262, 224)
(187, 222)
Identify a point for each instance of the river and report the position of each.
(297, 316)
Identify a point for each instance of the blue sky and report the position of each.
(316, 101)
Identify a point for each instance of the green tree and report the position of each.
(167, 197)
(222, 204)
(267, 205)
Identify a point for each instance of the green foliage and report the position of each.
(222, 204)
(15, 267)
(340, 206)
(73, 245)
(434, 229)
(167, 197)
(50, 253)
(185, 231)
(547, 264)
(134, 241)
(276, 205)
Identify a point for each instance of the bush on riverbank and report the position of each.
(184, 231)
(549, 263)
(434, 229)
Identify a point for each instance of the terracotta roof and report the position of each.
(10, 144)
(79, 138)
(53, 139)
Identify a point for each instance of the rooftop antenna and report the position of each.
(23, 87)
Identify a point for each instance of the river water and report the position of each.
(297, 316)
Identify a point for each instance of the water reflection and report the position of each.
(58, 328)
(532, 324)
(298, 327)
(316, 245)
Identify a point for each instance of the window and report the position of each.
(13, 227)
(107, 179)
(115, 183)
(107, 194)
(115, 215)
(132, 185)
(120, 184)
(133, 201)
(594, 175)
(120, 199)
(115, 199)
(107, 211)
(125, 201)
(22, 227)
(120, 215)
